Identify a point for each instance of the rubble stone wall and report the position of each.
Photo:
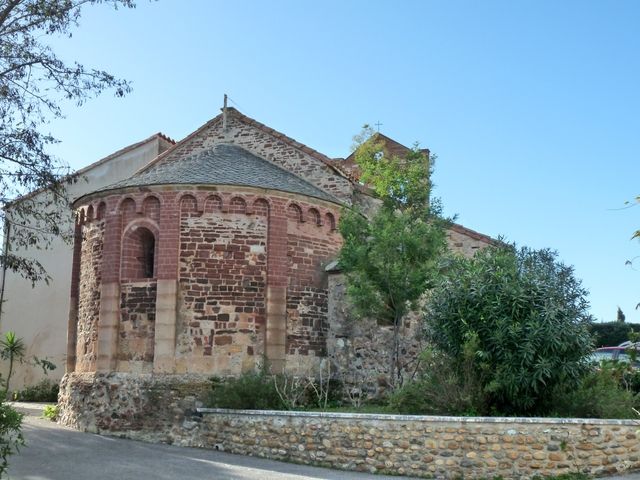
(431, 447)
(167, 409)
(89, 294)
(137, 326)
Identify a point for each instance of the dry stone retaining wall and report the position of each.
(422, 446)
(165, 408)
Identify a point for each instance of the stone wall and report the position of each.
(165, 408)
(222, 282)
(90, 278)
(141, 406)
(137, 326)
(361, 350)
(431, 447)
(312, 241)
(235, 276)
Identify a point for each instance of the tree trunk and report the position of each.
(6, 391)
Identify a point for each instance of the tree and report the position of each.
(34, 85)
(13, 349)
(610, 334)
(620, 317)
(391, 259)
(526, 316)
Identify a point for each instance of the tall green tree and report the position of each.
(391, 258)
(35, 85)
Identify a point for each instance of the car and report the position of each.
(620, 353)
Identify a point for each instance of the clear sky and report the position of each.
(533, 107)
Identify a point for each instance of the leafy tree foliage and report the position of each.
(526, 315)
(610, 334)
(11, 438)
(34, 85)
(12, 348)
(391, 259)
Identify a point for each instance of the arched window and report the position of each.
(148, 252)
(138, 254)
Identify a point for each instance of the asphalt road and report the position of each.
(57, 453)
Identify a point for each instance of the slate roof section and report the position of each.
(223, 164)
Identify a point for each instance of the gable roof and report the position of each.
(160, 137)
(223, 164)
(165, 156)
(156, 136)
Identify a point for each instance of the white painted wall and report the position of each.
(39, 314)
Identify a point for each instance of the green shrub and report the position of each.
(439, 389)
(527, 315)
(50, 412)
(611, 334)
(599, 395)
(44, 391)
(249, 391)
(10, 434)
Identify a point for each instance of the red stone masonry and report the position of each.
(225, 247)
(312, 241)
(222, 275)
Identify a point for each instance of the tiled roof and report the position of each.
(456, 227)
(223, 164)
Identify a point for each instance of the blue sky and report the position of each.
(532, 107)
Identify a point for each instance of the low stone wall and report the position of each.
(153, 408)
(166, 408)
(424, 446)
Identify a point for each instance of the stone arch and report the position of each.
(213, 203)
(294, 212)
(188, 205)
(128, 209)
(330, 220)
(90, 213)
(139, 259)
(124, 204)
(101, 211)
(238, 205)
(313, 215)
(151, 207)
(261, 207)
